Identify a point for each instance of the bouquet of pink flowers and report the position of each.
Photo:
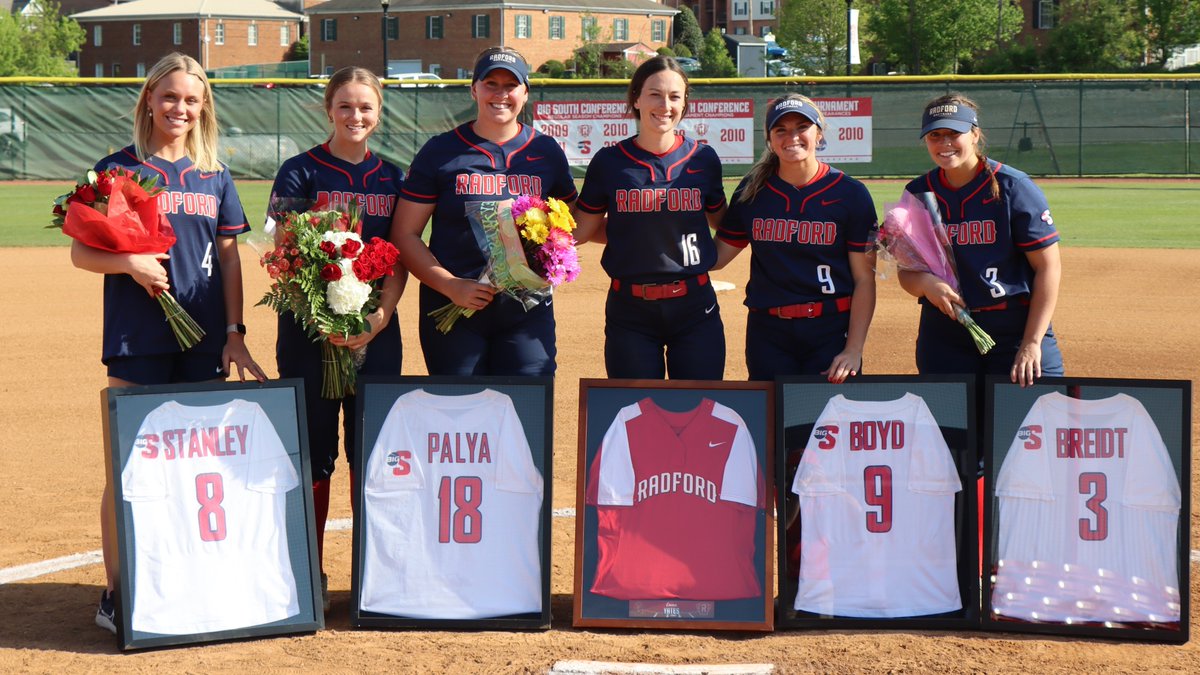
(530, 251)
(322, 272)
(117, 211)
(914, 238)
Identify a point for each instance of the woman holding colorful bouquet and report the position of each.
(1005, 248)
(491, 158)
(653, 198)
(174, 140)
(809, 226)
(341, 173)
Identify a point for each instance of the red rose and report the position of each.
(297, 263)
(59, 210)
(273, 271)
(328, 248)
(85, 194)
(104, 183)
(351, 248)
(342, 224)
(331, 272)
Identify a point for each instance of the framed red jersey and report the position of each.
(214, 524)
(1086, 485)
(673, 517)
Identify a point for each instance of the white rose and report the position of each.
(347, 295)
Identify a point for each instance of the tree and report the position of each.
(814, 33)
(715, 60)
(589, 53)
(1167, 24)
(935, 36)
(687, 31)
(1092, 36)
(38, 45)
(299, 50)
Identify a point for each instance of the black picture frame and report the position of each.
(278, 404)
(737, 551)
(531, 398)
(1081, 602)
(860, 600)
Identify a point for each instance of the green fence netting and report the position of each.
(1089, 126)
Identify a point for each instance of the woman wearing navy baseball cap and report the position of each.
(653, 198)
(1005, 249)
(491, 158)
(811, 292)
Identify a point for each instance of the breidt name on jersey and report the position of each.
(1075, 442)
(193, 443)
(445, 448)
(864, 435)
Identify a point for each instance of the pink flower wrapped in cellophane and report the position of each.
(913, 237)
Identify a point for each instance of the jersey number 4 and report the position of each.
(210, 492)
(458, 510)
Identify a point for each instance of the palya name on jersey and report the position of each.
(449, 448)
(191, 443)
(1069, 442)
(864, 435)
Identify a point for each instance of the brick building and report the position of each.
(126, 39)
(444, 37)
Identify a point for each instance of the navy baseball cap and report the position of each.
(793, 105)
(506, 60)
(953, 116)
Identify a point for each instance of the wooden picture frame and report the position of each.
(673, 518)
(453, 485)
(1114, 457)
(215, 531)
(878, 524)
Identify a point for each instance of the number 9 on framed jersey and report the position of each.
(453, 478)
(215, 535)
(1087, 479)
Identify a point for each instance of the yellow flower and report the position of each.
(532, 216)
(560, 215)
(535, 232)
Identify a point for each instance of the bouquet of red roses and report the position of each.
(117, 211)
(530, 250)
(913, 237)
(322, 272)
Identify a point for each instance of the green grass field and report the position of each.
(1108, 214)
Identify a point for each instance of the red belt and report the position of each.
(808, 310)
(1024, 301)
(671, 289)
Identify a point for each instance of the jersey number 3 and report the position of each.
(458, 510)
(1095, 487)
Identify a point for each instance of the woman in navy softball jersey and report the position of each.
(492, 158)
(341, 172)
(653, 198)
(811, 293)
(1005, 248)
(174, 141)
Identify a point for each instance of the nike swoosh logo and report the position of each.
(710, 309)
(534, 159)
(676, 290)
(713, 445)
(696, 171)
(831, 201)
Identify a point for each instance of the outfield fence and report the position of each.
(54, 128)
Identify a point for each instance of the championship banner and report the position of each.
(583, 127)
(848, 129)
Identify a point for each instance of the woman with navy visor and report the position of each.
(1005, 248)
(491, 158)
(811, 292)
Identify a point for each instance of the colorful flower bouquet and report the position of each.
(117, 211)
(322, 272)
(530, 251)
(914, 238)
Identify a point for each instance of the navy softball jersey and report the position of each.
(800, 237)
(657, 205)
(200, 207)
(459, 166)
(324, 181)
(990, 235)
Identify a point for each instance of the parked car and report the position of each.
(689, 64)
(409, 80)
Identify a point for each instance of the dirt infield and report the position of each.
(1121, 314)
